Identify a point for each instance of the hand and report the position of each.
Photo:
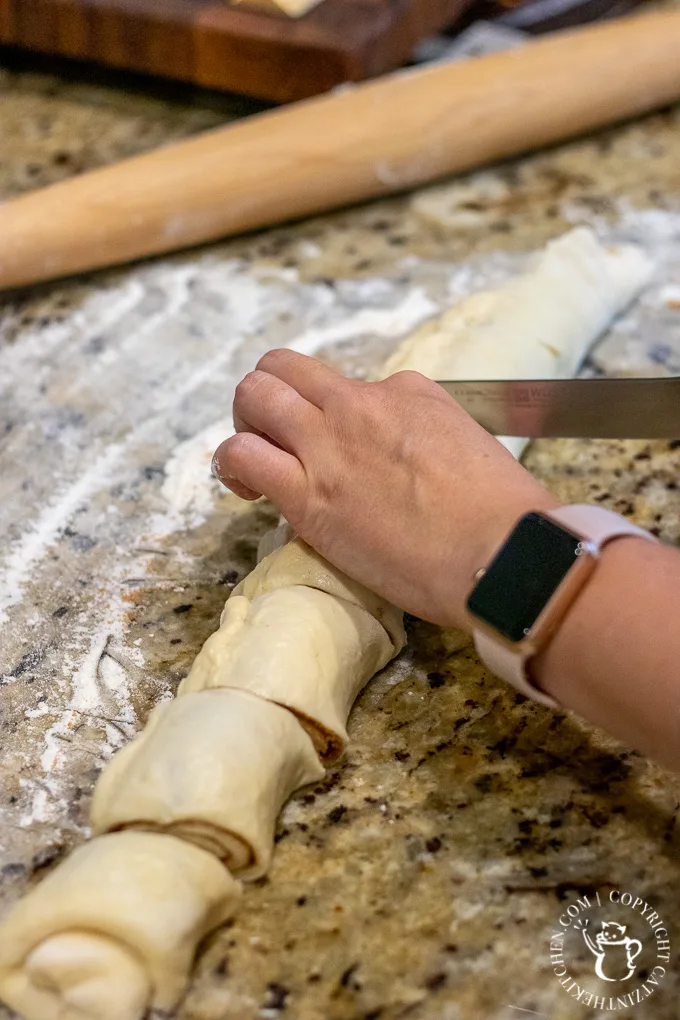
(391, 481)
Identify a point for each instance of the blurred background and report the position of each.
(279, 50)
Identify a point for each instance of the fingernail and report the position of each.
(215, 468)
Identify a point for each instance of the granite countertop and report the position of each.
(424, 876)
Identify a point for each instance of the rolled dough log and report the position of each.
(214, 769)
(274, 539)
(298, 563)
(540, 325)
(113, 930)
(302, 648)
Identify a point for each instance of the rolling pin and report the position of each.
(359, 142)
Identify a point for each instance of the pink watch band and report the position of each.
(596, 526)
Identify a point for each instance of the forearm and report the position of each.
(616, 658)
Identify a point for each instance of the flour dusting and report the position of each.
(189, 485)
(99, 698)
(389, 322)
(40, 534)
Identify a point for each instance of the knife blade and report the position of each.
(573, 408)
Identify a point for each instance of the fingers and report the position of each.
(310, 378)
(251, 466)
(269, 407)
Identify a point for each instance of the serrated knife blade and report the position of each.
(640, 408)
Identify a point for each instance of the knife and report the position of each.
(581, 408)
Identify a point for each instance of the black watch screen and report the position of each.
(523, 576)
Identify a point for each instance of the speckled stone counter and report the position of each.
(425, 875)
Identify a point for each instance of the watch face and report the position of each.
(525, 574)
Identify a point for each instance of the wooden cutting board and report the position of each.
(209, 43)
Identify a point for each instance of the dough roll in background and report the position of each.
(214, 769)
(113, 930)
(540, 325)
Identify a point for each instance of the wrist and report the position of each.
(531, 590)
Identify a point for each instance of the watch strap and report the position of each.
(597, 527)
(511, 666)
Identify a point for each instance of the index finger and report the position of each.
(311, 378)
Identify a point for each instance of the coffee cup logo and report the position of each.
(607, 947)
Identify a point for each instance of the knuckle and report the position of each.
(409, 378)
(236, 450)
(277, 356)
(247, 385)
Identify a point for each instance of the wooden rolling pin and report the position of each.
(386, 136)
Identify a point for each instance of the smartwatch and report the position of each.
(522, 596)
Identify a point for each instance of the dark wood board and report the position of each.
(212, 44)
